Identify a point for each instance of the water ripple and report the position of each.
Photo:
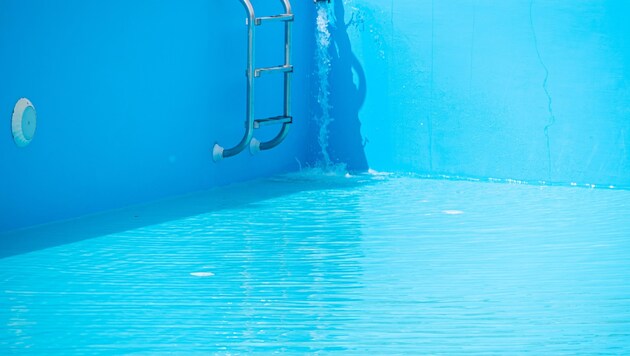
(393, 265)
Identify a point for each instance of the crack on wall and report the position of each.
(622, 138)
(552, 118)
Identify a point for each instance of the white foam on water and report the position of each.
(452, 212)
(202, 274)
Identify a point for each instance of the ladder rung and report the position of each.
(272, 120)
(284, 68)
(281, 17)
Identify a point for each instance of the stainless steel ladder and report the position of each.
(251, 123)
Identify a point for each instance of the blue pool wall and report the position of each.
(519, 89)
(132, 96)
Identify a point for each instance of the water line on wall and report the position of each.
(325, 19)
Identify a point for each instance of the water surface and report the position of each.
(378, 263)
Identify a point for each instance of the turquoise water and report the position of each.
(312, 263)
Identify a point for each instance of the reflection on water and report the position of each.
(385, 264)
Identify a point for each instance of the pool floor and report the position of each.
(310, 263)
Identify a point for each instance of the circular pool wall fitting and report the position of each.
(24, 122)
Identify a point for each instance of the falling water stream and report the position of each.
(325, 19)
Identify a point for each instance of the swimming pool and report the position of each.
(313, 262)
(131, 98)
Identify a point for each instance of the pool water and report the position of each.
(314, 263)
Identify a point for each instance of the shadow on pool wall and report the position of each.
(521, 89)
(184, 208)
(347, 95)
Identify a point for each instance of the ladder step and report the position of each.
(272, 120)
(281, 17)
(283, 68)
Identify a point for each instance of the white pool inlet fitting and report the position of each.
(23, 122)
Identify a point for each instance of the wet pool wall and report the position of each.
(131, 96)
(530, 90)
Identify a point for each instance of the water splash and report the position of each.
(325, 19)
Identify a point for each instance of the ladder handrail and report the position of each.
(219, 152)
(287, 6)
(255, 145)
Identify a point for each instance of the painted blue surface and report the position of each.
(318, 263)
(521, 89)
(131, 97)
